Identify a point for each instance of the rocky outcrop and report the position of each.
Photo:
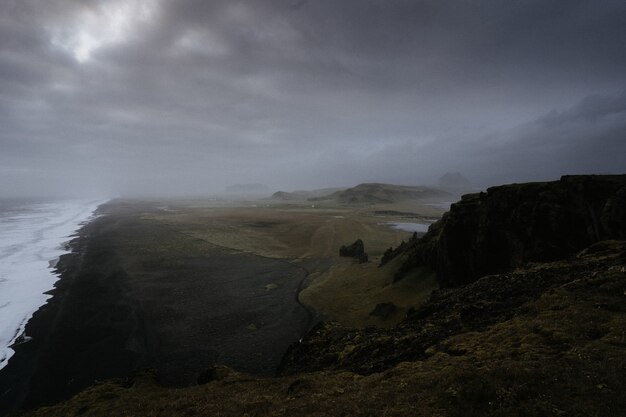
(355, 250)
(391, 253)
(507, 226)
(586, 293)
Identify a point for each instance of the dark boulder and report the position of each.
(355, 250)
(214, 373)
(384, 310)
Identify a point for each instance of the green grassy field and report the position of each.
(336, 288)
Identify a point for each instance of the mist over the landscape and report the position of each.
(158, 97)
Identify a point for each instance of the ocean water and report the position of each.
(33, 234)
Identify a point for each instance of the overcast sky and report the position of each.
(117, 97)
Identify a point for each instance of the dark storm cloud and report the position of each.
(187, 96)
(590, 136)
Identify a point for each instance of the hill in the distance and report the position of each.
(373, 193)
(366, 193)
(454, 181)
(302, 195)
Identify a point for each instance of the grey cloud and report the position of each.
(587, 137)
(309, 93)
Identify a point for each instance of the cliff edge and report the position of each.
(507, 226)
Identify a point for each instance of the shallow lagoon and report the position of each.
(410, 227)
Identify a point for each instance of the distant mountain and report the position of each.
(303, 195)
(372, 193)
(454, 181)
(247, 189)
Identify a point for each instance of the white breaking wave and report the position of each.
(32, 237)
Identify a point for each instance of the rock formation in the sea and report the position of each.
(355, 250)
(507, 226)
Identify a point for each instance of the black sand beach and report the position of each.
(136, 294)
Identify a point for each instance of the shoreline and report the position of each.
(26, 380)
(14, 377)
(100, 323)
(39, 234)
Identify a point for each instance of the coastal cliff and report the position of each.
(492, 301)
(507, 226)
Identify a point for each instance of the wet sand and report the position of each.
(135, 294)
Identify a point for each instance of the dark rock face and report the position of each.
(356, 251)
(591, 285)
(391, 253)
(508, 226)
